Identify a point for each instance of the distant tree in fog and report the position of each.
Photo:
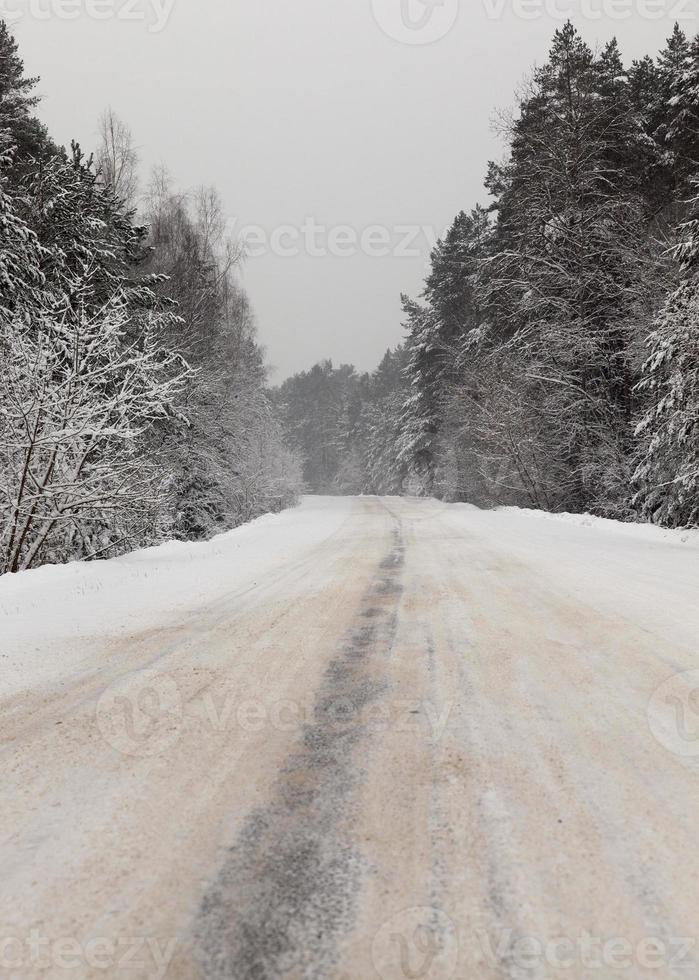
(117, 158)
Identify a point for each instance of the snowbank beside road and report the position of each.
(635, 573)
(47, 613)
(642, 532)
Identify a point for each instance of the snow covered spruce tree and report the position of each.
(524, 351)
(434, 441)
(86, 232)
(667, 476)
(569, 271)
(382, 419)
(680, 129)
(17, 120)
(421, 416)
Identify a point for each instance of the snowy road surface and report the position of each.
(365, 738)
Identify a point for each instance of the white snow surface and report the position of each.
(50, 617)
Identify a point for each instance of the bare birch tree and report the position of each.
(117, 158)
(78, 396)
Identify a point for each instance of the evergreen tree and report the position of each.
(569, 252)
(436, 330)
(85, 230)
(672, 63)
(422, 413)
(17, 104)
(386, 474)
(21, 255)
(667, 475)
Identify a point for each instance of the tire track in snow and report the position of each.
(287, 892)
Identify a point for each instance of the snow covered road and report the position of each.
(365, 738)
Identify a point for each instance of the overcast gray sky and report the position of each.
(326, 110)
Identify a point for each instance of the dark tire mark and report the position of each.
(288, 891)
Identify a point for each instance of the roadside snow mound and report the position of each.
(49, 614)
(640, 531)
